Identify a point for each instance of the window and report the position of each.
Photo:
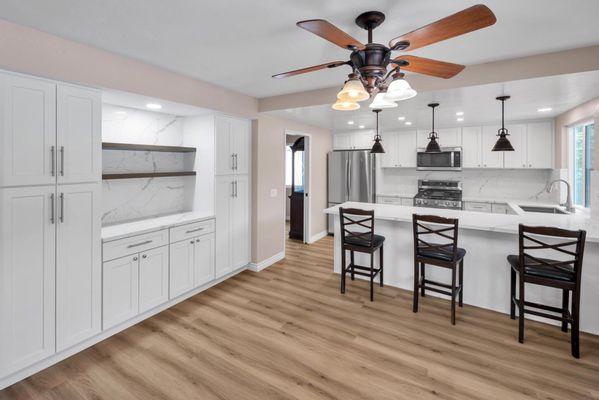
(299, 168)
(288, 155)
(582, 147)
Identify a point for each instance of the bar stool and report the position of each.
(357, 234)
(560, 274)
(446, 255)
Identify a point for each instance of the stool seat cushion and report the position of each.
(441, 255)
(364, 242)
(563, 272)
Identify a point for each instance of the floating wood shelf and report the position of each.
(147, 147)
(134, 175)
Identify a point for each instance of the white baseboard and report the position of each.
(257, 267)
(318, 236)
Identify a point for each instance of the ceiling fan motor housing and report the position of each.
(371, 62)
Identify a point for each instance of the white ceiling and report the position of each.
(560, 93)
(138, 101)
(239, 44)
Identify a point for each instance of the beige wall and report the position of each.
(27, 50)
(585, 111)
(268, 172)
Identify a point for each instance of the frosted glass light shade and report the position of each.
(354, 91)
(399, 90)
(343, 105)
(381, 102)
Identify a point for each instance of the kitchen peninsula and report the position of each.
(488, 239)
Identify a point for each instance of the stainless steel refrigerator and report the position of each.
(351, 177)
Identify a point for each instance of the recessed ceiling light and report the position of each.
(361, 126)
(153, 106)
(459, 113)
(401, 118)
(408, 123)
(460, 119)
(544, 109)
(120, 112)
(350, 122)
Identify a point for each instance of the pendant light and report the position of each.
(353, 90)
(433, 145)
(399, 89)
(377, 147)
(503, 143)
(380, 102)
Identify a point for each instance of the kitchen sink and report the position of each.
(540, 209)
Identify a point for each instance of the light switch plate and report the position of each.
(273, 192)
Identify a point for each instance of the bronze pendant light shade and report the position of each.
(503, 143)
(433, 144)
(377, 147)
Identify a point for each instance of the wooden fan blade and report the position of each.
(426, 66)
(330, 32)
(333, 64)
(468, 20)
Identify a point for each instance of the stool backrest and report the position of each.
(358, 225)
(535, 239)
(434, 233)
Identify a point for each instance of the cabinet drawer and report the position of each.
(134, 244)
(390, 200)
(481, 207)
(191, 230)
(407, 201)
(500, 208)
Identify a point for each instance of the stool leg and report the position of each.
(512, 293)
(415, 301)
(422, 277)
(381, 266)
(351, 259)
(575, 323)
(372, 276)
(453, 292)
(521, 310)
(461, 295)
(565, 307)
(342, 270)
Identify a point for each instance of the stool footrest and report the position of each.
(425, 284)
(560, 317)
(360, 268)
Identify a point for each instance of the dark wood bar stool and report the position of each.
(559, 274)
(357, 234)
(446, 254)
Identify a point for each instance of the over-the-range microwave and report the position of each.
(449, 159)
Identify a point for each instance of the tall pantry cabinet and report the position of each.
(232, 193)
(50, 174)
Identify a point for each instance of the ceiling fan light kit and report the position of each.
(353, 90)
(380, 101)
(503, 143)
(344, 105)
(369, 61)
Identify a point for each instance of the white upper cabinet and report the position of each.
(517, 137)
(342, 141)
(232, 145)
(406, 148)
(539, 144)
(448, 137)
(490, 159)
(471, 147)
(390, 158)
(27, 276)
(363, 140)
(78, 264)
(27, 131)
(79, 136)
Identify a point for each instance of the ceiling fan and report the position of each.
(369, 61)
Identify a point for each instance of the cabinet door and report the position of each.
(406, 149)
(450, 137)
(120, 299)
(422, 138)
(78, 264)
(224, 191)
(240, 223)
(490, 159)
(539, 145)
(224, 155)
(153, 278)
(471, 147)
(79, 136)
(28, 131)
(203, 260)
(343, 141)
(181, 267)
(27, 277)
(240, 145)
(363, 140)
(517, 137)
(389, 159)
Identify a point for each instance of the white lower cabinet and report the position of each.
(203, 262)
(153, 278)
(120, 300)
(181, 267)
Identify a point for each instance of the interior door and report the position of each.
(181, 267)
(224, 191)
(28, 131)
(240, 222)
(203, 260)
(120, 298)
(153, 278)
(78, 267)
(27, 277)
(79, 136)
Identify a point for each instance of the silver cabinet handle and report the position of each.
(191, 242)
(194, 230)
(139, 244)
(235, 154)
(52, 206)
(61, 160)
(53, 161)
(144, 256)
(197, 240)
(134, 258)
(235, 188)
(232, 189)
(62, 207)
(232, 161)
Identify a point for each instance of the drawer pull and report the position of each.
(195, 230)
(139, 244)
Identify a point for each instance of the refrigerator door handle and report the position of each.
(349, 177)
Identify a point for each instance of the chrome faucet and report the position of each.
(568, 203)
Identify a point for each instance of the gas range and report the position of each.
(439, 194)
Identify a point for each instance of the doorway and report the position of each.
(297, 184)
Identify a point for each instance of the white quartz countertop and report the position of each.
(504, 223)
(118, 231)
